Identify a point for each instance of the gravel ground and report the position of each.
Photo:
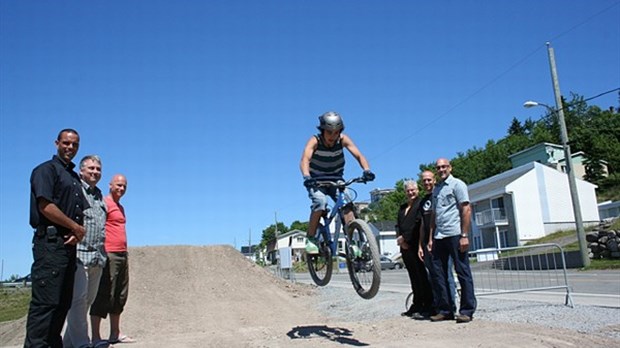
(345, 305)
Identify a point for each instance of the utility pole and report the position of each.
(572, 182)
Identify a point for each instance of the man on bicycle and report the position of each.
(323, 156)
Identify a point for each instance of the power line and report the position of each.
(566, 106)
(495, 79)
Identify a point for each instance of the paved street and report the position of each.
(593, 288)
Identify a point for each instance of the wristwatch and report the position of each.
(463, 235)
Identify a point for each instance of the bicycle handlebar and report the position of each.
(329, 181)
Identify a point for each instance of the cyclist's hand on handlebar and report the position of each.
(309, 182)
(368, 175)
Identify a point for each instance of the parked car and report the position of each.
(387, 263)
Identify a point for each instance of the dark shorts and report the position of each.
(113, 286)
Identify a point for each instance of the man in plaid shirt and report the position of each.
(91, 256)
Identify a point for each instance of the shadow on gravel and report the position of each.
(335, 334)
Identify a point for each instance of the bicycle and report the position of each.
(360, 248)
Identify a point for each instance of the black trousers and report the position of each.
(53, 274)
(420, 284)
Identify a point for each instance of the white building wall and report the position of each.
(589, 204)
(552, 210)
(557, 197)
(560, 205)
(387, 243)
(527, 207)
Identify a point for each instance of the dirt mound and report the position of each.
(190, 289)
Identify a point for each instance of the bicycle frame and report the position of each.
(336, 211)
(360, 248)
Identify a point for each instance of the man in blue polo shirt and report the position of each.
(450, 227)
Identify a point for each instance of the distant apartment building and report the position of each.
(377, 194)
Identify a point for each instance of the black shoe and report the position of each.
(442, 317)
(462, 318)
(408, 313)
(420, 316)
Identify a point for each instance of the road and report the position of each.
(592, 288)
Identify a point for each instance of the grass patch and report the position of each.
(602, 264)
(14, 303)
(552, 238)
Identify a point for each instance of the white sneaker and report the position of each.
(357, 252)
(311, 247)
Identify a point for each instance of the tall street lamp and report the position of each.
(572, 182)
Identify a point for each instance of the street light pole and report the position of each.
(558, 111)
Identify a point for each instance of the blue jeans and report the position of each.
(428, 262)
(443, 250)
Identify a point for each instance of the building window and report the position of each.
(477, 242)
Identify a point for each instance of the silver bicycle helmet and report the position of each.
(331, 120)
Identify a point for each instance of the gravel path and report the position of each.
(343, 304)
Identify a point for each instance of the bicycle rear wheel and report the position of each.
(409, 301)
(320, 265)
(363, 261)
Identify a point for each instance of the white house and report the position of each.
(294, 239)
(525, 203)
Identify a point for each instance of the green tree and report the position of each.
(269, 234)
(298, 225)
(516, 128)
(528, 126)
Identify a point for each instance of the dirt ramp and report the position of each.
(204, 290)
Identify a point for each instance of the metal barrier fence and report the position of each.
(520, 269)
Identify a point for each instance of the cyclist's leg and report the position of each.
(318, 198)
(313, 223)
(319, 204)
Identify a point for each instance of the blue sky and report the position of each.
(205, 106)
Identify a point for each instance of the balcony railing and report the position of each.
(491, 216)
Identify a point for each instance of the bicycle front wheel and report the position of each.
(363, 261)
(320, 265)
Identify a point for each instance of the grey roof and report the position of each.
(290, 233)
(496, 185)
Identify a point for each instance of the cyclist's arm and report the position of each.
(349, 145)
(304, 165)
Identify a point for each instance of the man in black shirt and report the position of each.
(57, 204)
(426, 205)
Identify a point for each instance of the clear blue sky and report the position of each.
(205, 106)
